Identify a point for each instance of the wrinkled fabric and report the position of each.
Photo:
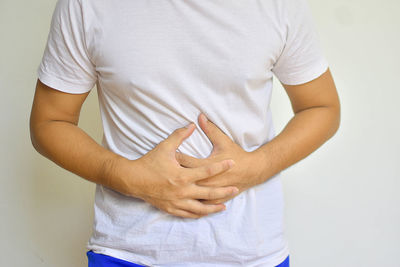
(158, 65)
(101, 260)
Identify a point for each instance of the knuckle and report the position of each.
(211, 194)
(180, 193)
(180, 180)
(209, 171)
(177, 180)
(226, 164)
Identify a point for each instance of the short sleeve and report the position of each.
(302, 58)
(66, 64)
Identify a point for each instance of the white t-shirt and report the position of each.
(157, 65)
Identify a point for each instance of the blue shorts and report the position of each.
(100, 260)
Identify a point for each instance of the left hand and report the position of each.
(242, 175)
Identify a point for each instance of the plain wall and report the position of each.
(342, 202)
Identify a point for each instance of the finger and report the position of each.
(212, 193)
(188, 161)
(224, 180)
(175, 139)
(217, 137)
(196, 207)
(185, 214)
(215, 201)
(199, 173)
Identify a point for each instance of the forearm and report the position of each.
(71, 148)
(304, 133)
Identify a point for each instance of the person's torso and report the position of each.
(161, 63)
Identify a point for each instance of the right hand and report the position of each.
(161, 181)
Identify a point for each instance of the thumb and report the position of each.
(175, 139)
(217, 137)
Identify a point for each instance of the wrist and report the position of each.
(261, 166)
(118, 175)
(130, 175)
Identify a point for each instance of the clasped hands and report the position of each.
(191, 187)
(241, 175)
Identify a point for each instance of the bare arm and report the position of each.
(156, 177)
(55, 134)
(316, 118)
(317, 115)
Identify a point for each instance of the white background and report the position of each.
(342, 202)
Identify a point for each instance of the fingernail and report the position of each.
(189, 125)
(235, 191)
(231, 163)
(205, 117)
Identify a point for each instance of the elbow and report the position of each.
(336, 124)
(336, 118)
(338, 112)
(33, 133)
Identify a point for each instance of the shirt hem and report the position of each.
(284, 254)
(309, 75)
(123, 255)
(117, 253)
(62, 85)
